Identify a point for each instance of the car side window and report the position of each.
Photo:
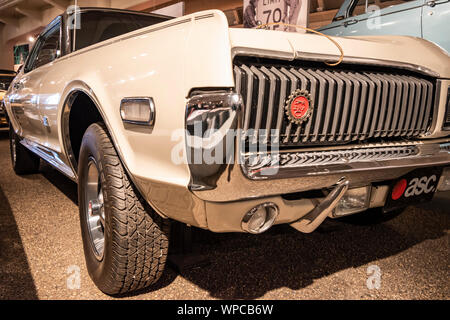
(46, 50)
(362, 6)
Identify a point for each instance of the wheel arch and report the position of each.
(71, 94)
(77, 95)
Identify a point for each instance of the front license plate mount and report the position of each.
(416, 187)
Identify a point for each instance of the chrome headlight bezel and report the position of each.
(211, 122)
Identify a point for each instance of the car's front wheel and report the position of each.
(125, 241)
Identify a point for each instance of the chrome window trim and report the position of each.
(47, 29)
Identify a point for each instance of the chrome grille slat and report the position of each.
(362, 104)
(320, 104)
(337, 111)
(271, 106)
(294, 86)
(259, 106)
(354, 108)
(348, 105)
(283, 90)
(428, 108)
(423, 102)
(410, 107)
(248, 101)
(329, 106)
(384, 104)
(404, 106)
(376, 109)
(415, 112)
(394, 91)
(398, 105)
(369, 107)
(303, 86)
(313, 89)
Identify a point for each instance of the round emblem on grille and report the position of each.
(299, 106)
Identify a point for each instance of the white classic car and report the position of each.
(230, 130)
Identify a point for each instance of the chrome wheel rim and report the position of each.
(94, 209)
(13, 148)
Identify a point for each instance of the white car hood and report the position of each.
(400, 50)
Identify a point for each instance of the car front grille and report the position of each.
(348, 105)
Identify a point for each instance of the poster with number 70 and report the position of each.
(262, 12)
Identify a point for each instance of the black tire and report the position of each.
(136, 238)
(372, 216)
(23, 160)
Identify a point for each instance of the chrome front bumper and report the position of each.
(235, 194)
(220, 194)
(232, 183)
(227, 193)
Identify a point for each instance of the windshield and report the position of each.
(5, 81)
(97, 26)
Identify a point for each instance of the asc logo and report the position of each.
(416, 187)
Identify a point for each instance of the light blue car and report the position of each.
(425, 19)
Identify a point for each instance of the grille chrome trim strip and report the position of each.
(255, 164)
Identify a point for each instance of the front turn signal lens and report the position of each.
(139, 111)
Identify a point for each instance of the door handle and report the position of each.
(431, 4)
(350, 22)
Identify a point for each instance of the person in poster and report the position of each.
(291, 11)
(250, 14)
(271, 12)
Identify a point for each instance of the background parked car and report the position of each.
(418, 18)
(6, 78)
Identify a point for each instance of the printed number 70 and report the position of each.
(276, 16)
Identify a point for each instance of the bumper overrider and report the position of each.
(241, 186)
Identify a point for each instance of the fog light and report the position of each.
(139, 111)
(260, 218)
(444, 183)
(353, 201)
